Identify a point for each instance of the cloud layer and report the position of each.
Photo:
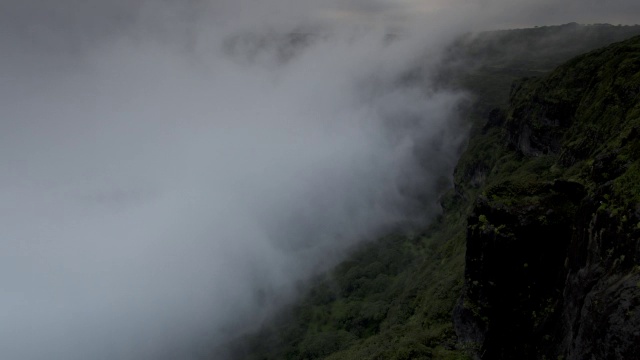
(161, 191)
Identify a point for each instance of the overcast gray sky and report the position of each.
(162, 185)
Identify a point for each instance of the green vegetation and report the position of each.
(391, 300)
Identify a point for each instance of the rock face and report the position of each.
(553, 240)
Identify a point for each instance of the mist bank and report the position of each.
(161, 192)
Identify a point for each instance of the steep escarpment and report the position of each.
(553, 239)
(535, 252)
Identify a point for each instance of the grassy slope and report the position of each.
(393, 299)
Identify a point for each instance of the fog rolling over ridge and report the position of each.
(171, 170)
(165, 184)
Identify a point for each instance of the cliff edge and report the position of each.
(553, 240)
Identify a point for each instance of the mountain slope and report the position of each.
(514, 236)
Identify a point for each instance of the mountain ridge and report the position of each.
(529, 176)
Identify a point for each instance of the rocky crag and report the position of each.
(553, 239)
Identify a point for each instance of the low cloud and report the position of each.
(161, 192)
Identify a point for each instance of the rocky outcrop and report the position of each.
(553, 240)
(514, 265)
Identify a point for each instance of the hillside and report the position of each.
(536, 252)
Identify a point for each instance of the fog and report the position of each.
(172, 170)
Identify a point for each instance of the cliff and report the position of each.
(553, 240)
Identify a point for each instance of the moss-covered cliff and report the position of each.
(553, 241)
